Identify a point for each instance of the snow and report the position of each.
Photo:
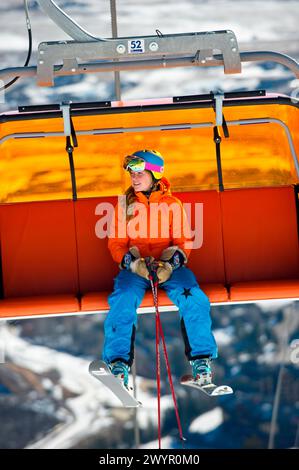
(148, 416)
(89, 411)
(273, 305)
(190, 80)
(224, 336)
(244, 357)
(235, 370)
(165, 444)
(47, 384)
(254, 20)
(15, 41)
(207, 422)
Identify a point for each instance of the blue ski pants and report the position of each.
(183, 290)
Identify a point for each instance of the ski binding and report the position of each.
(101, 371)
(210, 389)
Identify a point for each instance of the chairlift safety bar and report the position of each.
(169, 127)
(145, 64)
(66, 115)
(57, 107)
(107, 104)
(135, 53)
(200, 45)
(219, 97)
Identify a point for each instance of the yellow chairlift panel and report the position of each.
(253, 155)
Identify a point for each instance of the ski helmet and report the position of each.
(150, 160)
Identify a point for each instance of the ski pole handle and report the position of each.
(152, 269)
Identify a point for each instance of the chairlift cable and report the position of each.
(7, 85)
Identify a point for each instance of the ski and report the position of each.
(210, 389)
(101, 371)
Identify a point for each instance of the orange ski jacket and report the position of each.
(157, 222)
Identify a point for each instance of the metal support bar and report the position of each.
(71, 141)
(26, 135)
(139, 47)
(59, 70)
(117, 85)
(69, 148)
(219, 97)
(65, 108)
(72, 106)
(275, 121)
(217, 140)
(65, 22)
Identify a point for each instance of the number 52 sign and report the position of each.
(136, 46)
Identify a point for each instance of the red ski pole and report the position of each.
(154, 280)
(152, 268)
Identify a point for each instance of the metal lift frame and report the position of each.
(88, 54)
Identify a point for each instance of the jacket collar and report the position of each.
(163, 189)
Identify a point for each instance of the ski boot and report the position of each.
(120, 370)
(201, 371)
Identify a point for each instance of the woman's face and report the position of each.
(142, 180)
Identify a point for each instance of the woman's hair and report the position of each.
(131, 198)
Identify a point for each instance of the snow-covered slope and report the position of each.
(90, 410)
(207, 422)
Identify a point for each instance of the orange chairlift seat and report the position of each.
(53, 263)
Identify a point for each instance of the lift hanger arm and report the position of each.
(65, 22)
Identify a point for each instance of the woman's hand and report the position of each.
(139, 267)
(171, 258)
(164, 271)
(133, 262)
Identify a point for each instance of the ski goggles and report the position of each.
(138, 164)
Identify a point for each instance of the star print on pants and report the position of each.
(186, 292)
